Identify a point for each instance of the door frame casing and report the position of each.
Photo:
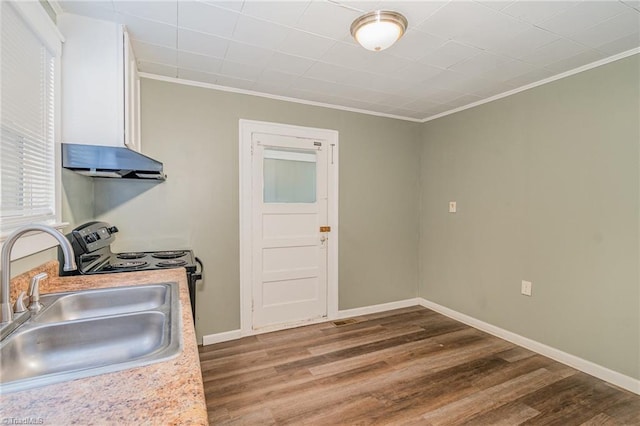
(246, 129)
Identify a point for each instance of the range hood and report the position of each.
(110, 162)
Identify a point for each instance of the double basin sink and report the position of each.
(91, 332)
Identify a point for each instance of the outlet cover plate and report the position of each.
(526, 288)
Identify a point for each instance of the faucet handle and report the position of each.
(34, 292)
(34, 286)
(19, 306)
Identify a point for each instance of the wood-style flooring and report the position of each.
(407, 366)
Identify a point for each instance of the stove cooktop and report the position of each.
(92, 241)
(137, 261)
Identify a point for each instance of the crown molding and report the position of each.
(271, 96)
(551, 79)
(565, 74)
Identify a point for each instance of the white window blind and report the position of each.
(27, 155)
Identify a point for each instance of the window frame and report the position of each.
(39, 21)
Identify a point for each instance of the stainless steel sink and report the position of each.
(96, 303)
(80, 335)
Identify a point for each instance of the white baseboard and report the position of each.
(210, 339)
(618, 379)
(374, 309)
(237, 334)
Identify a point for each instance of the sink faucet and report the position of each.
(6, 314)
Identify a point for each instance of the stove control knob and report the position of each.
(113, 230)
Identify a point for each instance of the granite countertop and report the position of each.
(168, 392)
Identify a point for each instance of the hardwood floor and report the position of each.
(408, 366)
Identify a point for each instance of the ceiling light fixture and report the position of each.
(379, 29)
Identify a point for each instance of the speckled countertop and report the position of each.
(168, 392)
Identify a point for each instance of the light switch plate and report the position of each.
(452, 207)
(526, 288)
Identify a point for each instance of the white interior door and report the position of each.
(289, 207)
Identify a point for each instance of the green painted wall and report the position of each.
(547, 184)
(194, 131)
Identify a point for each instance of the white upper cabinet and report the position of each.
(100, 84)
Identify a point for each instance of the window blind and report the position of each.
(27, 155)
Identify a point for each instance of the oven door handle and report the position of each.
(198, 275)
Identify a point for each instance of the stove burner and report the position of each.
(133, 255)
(171, 263)
(168, 254)
(128, 265)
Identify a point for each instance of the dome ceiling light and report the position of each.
(379, 29)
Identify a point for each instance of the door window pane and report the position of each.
(289, 176)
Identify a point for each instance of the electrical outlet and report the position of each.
(526, 288)
(452, 207)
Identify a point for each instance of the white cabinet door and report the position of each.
(100, 84)
(92, 87)
(131, 97)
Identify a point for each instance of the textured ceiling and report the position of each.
(455, 53)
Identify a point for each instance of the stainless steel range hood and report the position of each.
(110, 162)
